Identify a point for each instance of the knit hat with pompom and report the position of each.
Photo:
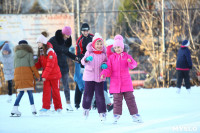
(118, 41)
(96, 37)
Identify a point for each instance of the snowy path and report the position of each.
(162, 110)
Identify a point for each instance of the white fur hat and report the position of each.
(42, 39)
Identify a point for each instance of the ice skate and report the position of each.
(102, 116)
(116, 118)
(178, 91)
(44, 111)
(189, 91)
(110, 107)
(69, 107)
(59, 111)
(9, 99)
(34, 112)
(52, 109)
(86, 113)
(137, 118)
(15, 112)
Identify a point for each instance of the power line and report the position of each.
(166, 10)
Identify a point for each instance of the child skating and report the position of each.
(8, 62)
(94, 62)
(24, 75)
(120, 80)
(50, 75)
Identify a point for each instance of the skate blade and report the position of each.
(115, 122)
(69, 110)
(15, 115)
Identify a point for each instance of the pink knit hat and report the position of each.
(118, 41)
(67, 30)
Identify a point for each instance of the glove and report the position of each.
(89, 58)
(104, 66)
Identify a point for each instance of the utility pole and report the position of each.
(163, 42)
(78, 17)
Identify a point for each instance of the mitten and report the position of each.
(89, 58)
(104, 66)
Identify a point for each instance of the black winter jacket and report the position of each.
(61, 47)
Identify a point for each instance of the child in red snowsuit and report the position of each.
(51, 74)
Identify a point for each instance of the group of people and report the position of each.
(93, 63)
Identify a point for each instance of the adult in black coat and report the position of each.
(183, 66)
(61, 42)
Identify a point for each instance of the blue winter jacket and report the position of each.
(78, 77)
(184, 60)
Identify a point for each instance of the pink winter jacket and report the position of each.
(118, 71)
(92, 68)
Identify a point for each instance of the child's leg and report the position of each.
(179, 78)
(130, 101)
(19, 96)
(46, 94)
(88, 94)
(107, 99)
(30, 94)
(55, 84)
(93, 103)
(77, 96)
(99, 96)
(187, 79)
(9, 87)
(66, 87)
(118, 97)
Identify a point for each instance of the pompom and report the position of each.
(97, 35)
(118, 37)
(109, 42)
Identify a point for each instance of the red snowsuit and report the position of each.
(51, 72)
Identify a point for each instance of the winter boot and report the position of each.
(110, 107)
(86, 113)
(15, 111)
(116, 118)
(102, 116)
(178, 90)
(69, 107)
(34, 112)
(9, 98)
(137, 118)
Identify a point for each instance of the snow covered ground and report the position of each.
(162, 110)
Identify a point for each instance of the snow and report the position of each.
(162, 110)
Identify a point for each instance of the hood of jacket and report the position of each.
(91, 49)
(22, 50)
(59, 37)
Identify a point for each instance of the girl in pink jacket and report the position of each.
(120, 80)
(94, 62)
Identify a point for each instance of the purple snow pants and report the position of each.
(130, 101)
(90, 88)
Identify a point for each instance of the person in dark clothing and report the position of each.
(81, 45)
(61, 42)
(183, 66)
